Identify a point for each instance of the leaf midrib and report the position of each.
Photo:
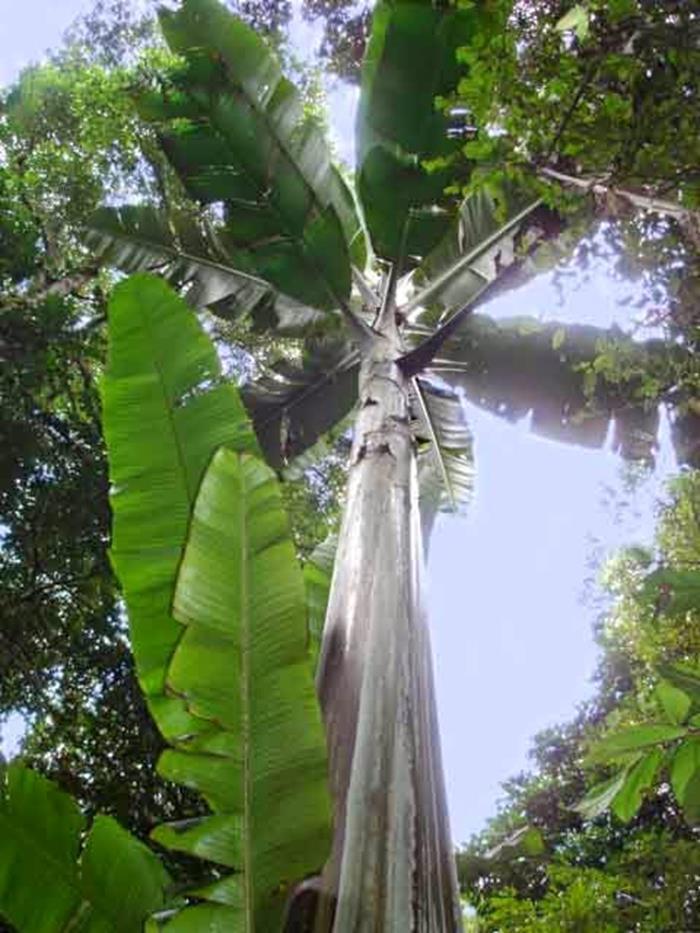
(245, 701)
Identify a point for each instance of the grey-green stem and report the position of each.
(392, 866)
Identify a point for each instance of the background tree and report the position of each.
(640, 872)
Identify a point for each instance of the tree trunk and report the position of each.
(392, 866)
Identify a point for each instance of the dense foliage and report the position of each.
(71, 139)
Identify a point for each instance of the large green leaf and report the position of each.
(166, 411)
(138, 238)
(675, 703)
(234, 129)
(57, 876)
(634, 738)
(641, 776)
(685, 778)
(599, 797)
(410, 60)
(685, 677)
(242, 666)
(521, 367)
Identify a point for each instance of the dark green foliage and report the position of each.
(289, 217)
(613, 98)
(55, 873)
(399, 129)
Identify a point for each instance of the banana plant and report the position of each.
(380, 284)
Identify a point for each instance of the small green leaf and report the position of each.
(674, 702)
(532, 843)
(599, 798)
(558, 338)
(629, 798)
(619, 744)
(577, 19)
(685, 769)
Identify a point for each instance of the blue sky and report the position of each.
(511, 636)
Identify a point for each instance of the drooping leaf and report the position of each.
(674, 702)
(526, 841)
(510, 368)
(234, 129)
(639, 779)
(685, 778)
(292, 406)
(166, 411)
(410, 60)
(633, 738)
(445, 451)
(54, 876)
(139, 238)
(242, 666)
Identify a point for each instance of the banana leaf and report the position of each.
(234, 129)
(292, 405)
(410, 61)
(242, 666)
(140, 238)
(445, 457)
(523, 367)
(57, 874)
(166, 412)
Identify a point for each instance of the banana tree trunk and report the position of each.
(392, 866)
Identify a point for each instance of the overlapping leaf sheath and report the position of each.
(234, 129)
(229, 684)
(392, 866)
(56, 874)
